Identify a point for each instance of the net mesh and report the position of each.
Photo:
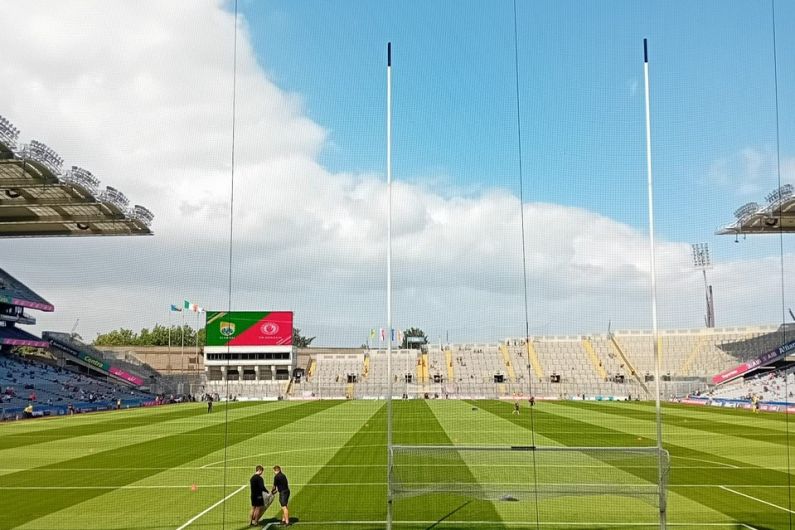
(528, 473)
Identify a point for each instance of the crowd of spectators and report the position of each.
(31, 386)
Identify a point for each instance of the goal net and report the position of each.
(530, 473)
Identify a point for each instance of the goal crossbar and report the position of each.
(526, 472)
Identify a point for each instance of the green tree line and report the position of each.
(158, 336)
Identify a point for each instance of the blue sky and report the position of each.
(581, 86)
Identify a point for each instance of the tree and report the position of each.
(413, 333)
(117, 337)
(157, 336)
(299, 341)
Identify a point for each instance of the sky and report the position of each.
(141, 95)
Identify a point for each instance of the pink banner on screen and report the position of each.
(134, 379)
(273, 329)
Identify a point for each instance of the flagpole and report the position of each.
(196, 349)
(182, 350)
(657, 353)
(389, 279)
(168, 367)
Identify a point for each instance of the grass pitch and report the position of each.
(170, 467)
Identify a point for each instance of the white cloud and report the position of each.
(751, 172)
(140, 94)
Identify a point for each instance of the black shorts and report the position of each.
(257, 501)
(284, 497)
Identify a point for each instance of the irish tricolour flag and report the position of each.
(192, 307)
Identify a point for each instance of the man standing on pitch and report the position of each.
(280, 484)
(257, 498)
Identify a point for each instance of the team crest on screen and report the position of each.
(227, 329)
(269, 328)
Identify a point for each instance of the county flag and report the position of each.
(176, 308)
(382, 335)
(372, 333)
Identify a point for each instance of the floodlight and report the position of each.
(746, 210)
(84, 179)
(114, 197)
(142, 214)
(701, 257)
(8, 133)
(44, 155)
(781, 193)
(702, 260)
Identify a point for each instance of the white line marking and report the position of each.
(706, 461)
(337, 448)
(195, 517)
(381, 466)
(757, 500)
(334, 448)
(515, 523)
(748, 526)
(343, 484)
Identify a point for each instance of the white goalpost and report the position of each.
(526, 473)
(530, 474)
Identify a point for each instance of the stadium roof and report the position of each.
(14, 292)
(12, 336)
(39, 199)
(70, 343)
(777, 216)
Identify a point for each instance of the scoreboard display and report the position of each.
(249, 328)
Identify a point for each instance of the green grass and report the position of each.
(136, 469)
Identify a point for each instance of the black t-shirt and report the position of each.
(280, 482)
(257, 486)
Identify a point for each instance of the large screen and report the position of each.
(249, 328)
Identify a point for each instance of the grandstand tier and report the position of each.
(619, 365)
(11, 336)
(52, 389)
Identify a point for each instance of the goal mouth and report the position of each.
(529, 473)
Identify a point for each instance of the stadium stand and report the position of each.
(15, 298)
(52, 389)
(247, 389)
(619, 365)
(772, 386)
(75, 353)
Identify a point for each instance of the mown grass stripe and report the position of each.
(114, 422)
(414, 423)
(168, 451)
(714, 498)
(758, 434)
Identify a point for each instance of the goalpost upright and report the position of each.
(655, 334)
(389, 281)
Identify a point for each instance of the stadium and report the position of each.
(494, 318)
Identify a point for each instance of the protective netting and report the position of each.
(530, 473)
